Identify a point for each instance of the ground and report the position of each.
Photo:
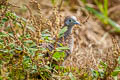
(92, 38)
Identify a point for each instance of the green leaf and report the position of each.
(13, 16)
(115, 72)
(62, 48)
(84, 1)
(115, 77)
(12, 45)
(28, 41)
(28, 36)
(2, 46)
(3, 34)
(6, 51)
(71, 76)
(33, 49)
(53, 2)
(43, 49)
(26, 62)
(58, 55)
(119, 60)
(25, 20)
(45, 31)
(5, 19)
(31, 28)
(106, 8)
(46, 66)
(11, 34)
(40, 54)
(2, 6)
(19, 48)
(1, 25)
(100, 6)
(18, 24)
(34, 67)
(103, 64)
(62, 31)
(46, 35)
(95, 73)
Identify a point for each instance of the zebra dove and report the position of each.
(67, 39)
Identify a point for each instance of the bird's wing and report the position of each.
(48, 46)
(67, 41)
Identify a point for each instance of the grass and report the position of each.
(103, 14)
(21, 56)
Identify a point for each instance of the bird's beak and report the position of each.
(77, 22)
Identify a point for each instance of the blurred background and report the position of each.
(94, 39)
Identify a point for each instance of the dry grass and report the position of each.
(92, 42)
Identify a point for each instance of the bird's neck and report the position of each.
(68, 32)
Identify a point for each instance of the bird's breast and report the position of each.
(69, 41)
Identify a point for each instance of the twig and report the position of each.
(13, 5)
(85, 11)
(87, 14)
(60, 5)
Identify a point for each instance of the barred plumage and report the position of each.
(67, 39)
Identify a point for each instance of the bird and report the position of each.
(67, 39)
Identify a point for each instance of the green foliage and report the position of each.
(62, 48)
(71, 76)
(53, 2)
(21, 52)
(103, 7)
(22, 56)
(103, 14)
(84, 1)
(62, 31)
(102, 72)
(104, 18)
(58, 55)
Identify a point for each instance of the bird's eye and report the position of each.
(70, 20)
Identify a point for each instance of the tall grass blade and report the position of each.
(104, 18)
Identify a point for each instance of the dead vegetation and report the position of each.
(95, 46)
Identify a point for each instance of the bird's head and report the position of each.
(71, 21)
